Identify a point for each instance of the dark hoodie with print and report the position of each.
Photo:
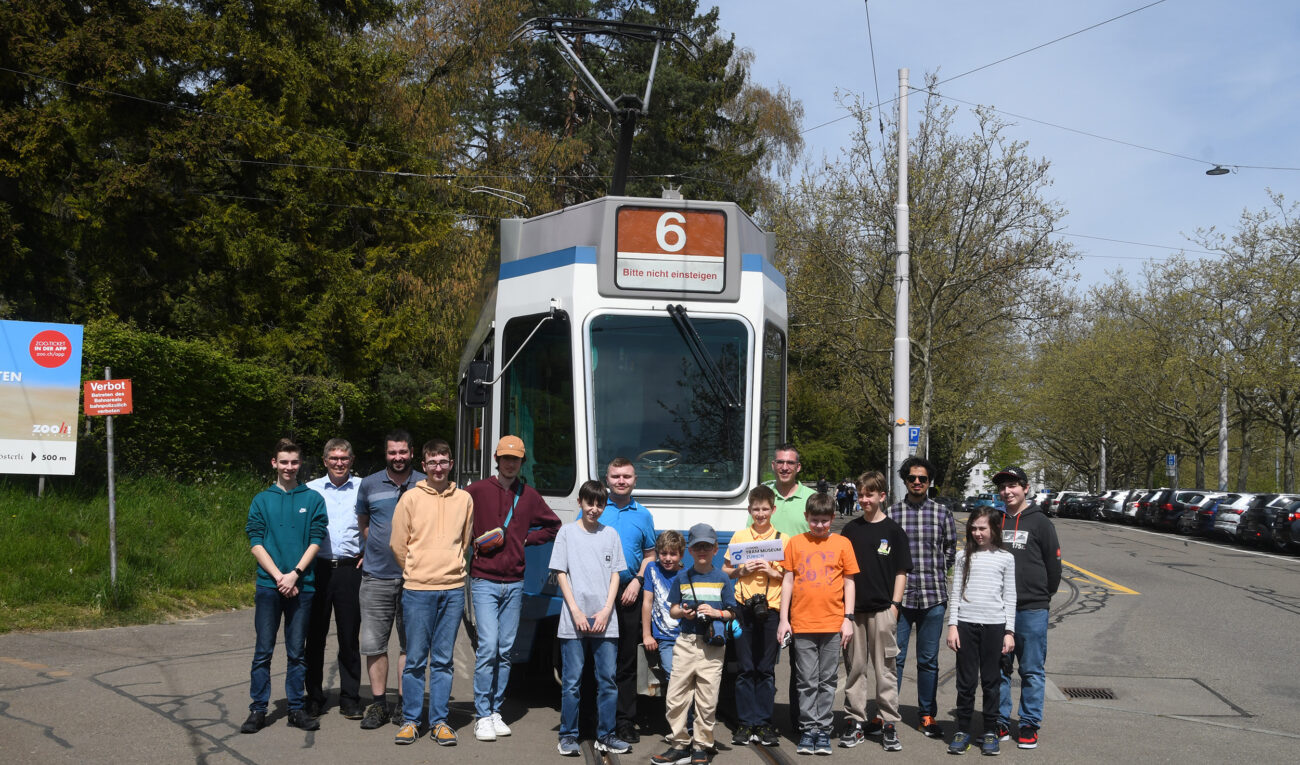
(1031, 538)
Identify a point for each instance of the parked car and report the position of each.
(1208, 510)
(1286, 527)
(1256, 525)
(1113, 508)
(1160, 510)
(1142, 511)
(989, 500)
(1131, 506)
(1188, 506)
(1068, 505)
(968, 504)
(1227, 519)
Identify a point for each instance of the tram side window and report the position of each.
(537, 400)
(772, 406)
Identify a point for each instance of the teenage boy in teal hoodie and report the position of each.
(286, 523)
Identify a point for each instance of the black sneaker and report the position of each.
(255, 722)
(674, 756)
(1028, 737)
(315, 708)
(990, 746)
(350, 710)
(1004, 732)
(889, 738)
(627, 732)
(375, 716)
(699, 756)
(767, 735)
(298, 718)
(742, 736)
(852, 736)
(874, 727)
(930, 727)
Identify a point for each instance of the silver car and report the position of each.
(1228, 518)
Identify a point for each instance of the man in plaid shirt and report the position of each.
(932, 537)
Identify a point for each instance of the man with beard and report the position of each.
(381, 576)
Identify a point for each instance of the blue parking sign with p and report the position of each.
(913, 435)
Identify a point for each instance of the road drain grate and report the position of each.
(1088, 693)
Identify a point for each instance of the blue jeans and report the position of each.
(604, 652)
(928, 623)
(1031, 656)
(496, 617)
(666, 660)
(432, 618)
(269, 606)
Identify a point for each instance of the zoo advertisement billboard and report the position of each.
(40, 393)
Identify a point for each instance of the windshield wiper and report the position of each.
(686, 328)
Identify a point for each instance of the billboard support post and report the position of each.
(112, 496)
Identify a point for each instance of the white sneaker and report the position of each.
(483, 729)
(499, 726)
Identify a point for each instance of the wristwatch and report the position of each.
(297, 571)
(898, 603)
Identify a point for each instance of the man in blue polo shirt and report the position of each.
(636, 530)
(381, 577)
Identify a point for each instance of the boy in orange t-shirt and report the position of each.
(817, 599)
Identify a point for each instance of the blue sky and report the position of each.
(1212, 80)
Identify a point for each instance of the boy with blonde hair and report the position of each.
(703, 600)
(758, 600)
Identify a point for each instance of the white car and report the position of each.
(1228, 517)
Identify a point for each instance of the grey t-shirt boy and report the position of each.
(589, 558)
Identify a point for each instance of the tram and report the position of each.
(652, 329)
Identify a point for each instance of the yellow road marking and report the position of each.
(1117, 587)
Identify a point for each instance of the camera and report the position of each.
(758, 607)
(714, 630)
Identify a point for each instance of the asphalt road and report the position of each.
(1194, 641)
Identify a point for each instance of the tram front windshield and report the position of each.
(676, 411)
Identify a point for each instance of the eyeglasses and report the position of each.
(437, 463)
(337, 459)
(918, 479)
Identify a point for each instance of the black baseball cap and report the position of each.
(1012, 474)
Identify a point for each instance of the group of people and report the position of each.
(390, 550)
(397, 548)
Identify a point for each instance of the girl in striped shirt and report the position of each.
(981, 622)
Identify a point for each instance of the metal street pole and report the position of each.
(902, 286)
(112, 497)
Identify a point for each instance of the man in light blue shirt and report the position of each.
(338, 583)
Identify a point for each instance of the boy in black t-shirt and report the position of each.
(884, 558)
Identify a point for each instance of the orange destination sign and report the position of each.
(107, 397)
(679, 250)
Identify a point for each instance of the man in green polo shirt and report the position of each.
(791, 496)
(788, 519)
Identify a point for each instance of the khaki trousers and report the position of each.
(874, 642)
(696, 678)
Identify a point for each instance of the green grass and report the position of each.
(181, 551)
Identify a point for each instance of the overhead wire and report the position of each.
(875, 77)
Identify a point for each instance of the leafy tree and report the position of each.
(981, 261)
